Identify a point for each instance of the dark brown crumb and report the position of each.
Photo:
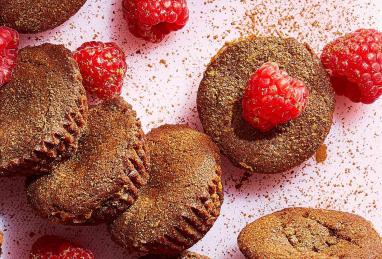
(321, 154)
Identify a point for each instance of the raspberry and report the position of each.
(53, 247)
(9, 44)
(355, 63)
(103, 68)
(272, 97)
(152, 20)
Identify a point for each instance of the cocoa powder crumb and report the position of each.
(321, 154)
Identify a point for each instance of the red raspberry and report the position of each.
(9, 44)
(103, 68)
(355, 64)
(272, 97)
(152, 20)
(53, 247)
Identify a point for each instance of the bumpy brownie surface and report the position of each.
(31, 16)
(220, 95)
(102, 179)
(43, 111)
(182, 199)
(310, 233)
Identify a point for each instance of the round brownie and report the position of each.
(184, 255)
(182, 199)
(310, 233)
(220, 96)
(32, 16)
(43, 111)
(102, 180)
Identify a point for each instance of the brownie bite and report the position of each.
(183, 198)
(32, 16)
(43, 111)
(310, 233)
(220, 97)
(103, 178)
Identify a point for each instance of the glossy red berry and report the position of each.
(152, 20)
(272, 97)
(103, 68)
(355, 64)
(9, 44)
(53, 247)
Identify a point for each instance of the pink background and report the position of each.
(164, 92)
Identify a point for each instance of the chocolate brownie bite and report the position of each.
(310, 233)
(220, 96)
(32, 16)
(184, 255)
(43, 111)
(182, 199)
(103, 178)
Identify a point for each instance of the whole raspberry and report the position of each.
(9, 44)
(103, 68)
(53, 247)
(152, 20)
(355, 64)
(272, 97)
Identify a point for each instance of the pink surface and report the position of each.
(162, 83)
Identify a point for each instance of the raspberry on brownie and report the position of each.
(43, 111)
(32, 16)
(183, 198)
(220, 98)
(103, 178)
(272, 97)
